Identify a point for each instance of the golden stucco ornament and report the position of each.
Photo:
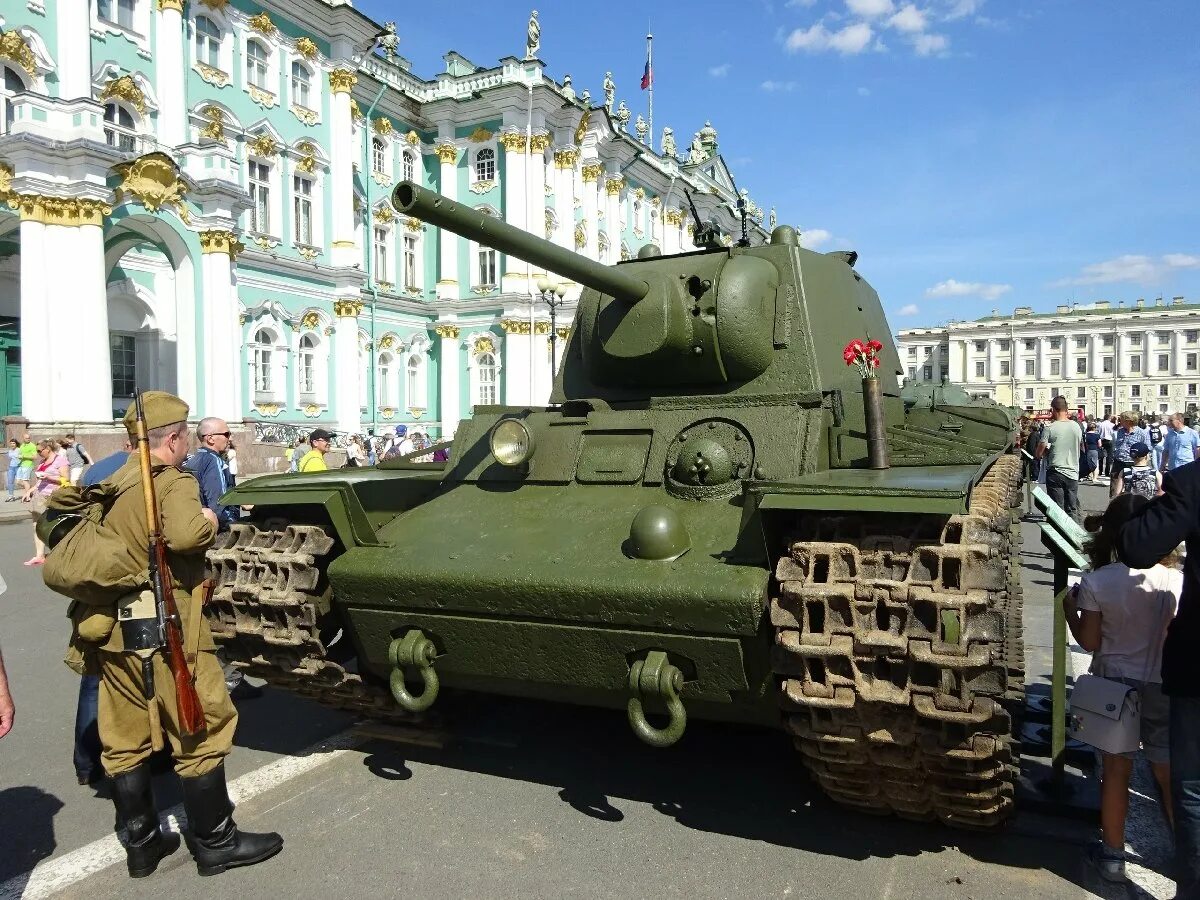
(154, 181)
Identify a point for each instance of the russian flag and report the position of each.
(647, 73)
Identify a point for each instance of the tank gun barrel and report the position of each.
(432, 207)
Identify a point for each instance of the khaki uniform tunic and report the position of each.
(123, 713)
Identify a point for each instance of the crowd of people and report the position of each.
(307, 454)
(1137, 611)
(36, 469)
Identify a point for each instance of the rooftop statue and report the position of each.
(533, 36)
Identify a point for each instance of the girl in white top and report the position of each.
(231, 459)
(1120, 615)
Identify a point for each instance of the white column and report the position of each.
(169, 73)
(1177, 356)
(342, 152)
(1065, 365)
(564, 196)
(448, 376)
(447, 285)
(516, 361)
(591, 210)
(1122, 352)
(74, 50)
(219, 305)
(515, 201)
(672, 221)
(35, 319)
(538, 144)
(612, 216)
(1094, 365)
(81, 391)
(346, 407)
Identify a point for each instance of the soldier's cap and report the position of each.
(161, 408)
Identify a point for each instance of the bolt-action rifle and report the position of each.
(165, 628)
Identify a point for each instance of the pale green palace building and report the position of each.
(197, 199)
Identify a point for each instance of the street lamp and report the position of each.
(552, 294)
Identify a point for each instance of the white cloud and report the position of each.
(909, 19)
(778, 86)
(952, 288)
(812, 238)
(847, 41)
(720, 71)
(930, 44)
(959, 9)
(1131, 267)
(869, 9)
(909, 310)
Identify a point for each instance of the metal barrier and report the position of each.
(1065, 539)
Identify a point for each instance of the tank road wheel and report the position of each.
(270, 601)
(898, 648)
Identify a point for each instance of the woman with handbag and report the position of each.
(52, 472)
(1120, 615)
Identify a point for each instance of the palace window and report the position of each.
(378, 156)
(1055, 343)
(409, 167)
(410, 262)
(1135, 390)
(302, 209)
(485, 165)
(1107, 340)
(487, 266)
(1004, 346)
(1190, 362)
(118, 128)
(1029, 395)
(1164, 338)
(257, 65)
(1029, 367)
(13, 85)
(1135, 364)
(980, 346)
(414, 374)
(1190, 336)
(122, 355)
(912, 372)
(1191, 389)
(1030, 344)
(912, 352)
(263, 381)
(1135, 340)
(486, 377)
(979, 369)
(118, 12)
(381, 254)
(301, 85)
(1107, 365)
(208, 42)
(383, 379)
(1081, 342)
(308, 364)
(927, 373)
(1080, 393)
(1107, 391)
(1004, 370)
(1164, 362)
(1081, 365)
(1163, 390)
(260, 197)
(1056, 367)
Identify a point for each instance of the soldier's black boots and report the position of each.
(212, 836)
(146, 845)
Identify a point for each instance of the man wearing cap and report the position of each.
(125, 713)
(314, 459)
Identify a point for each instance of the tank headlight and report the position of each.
(511, 442)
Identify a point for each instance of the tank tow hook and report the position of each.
(654, 677)
(413, 651)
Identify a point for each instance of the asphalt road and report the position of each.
(522, 800)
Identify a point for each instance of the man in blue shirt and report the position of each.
(106, 467)
(212, 471)
(1180, 444)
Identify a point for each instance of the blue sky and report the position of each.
(978, 154)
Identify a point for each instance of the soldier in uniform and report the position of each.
(125, 713)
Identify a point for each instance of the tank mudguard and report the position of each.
(358, 501)
(935, 489)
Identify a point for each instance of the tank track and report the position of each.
(899, 651)
(266, 612)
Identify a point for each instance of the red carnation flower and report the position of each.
(875, 345)
(875, 361)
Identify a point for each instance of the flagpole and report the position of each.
(650, 62)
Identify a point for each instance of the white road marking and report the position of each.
(60, 872)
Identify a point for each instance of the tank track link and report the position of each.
(899, 652)
(269, 599)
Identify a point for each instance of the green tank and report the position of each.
(692, 529)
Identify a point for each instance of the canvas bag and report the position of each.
(1105, 714)
(91, 563)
